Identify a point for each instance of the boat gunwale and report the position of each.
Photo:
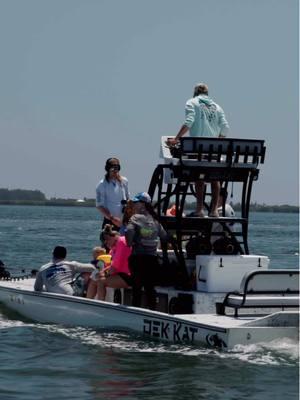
(121, 307)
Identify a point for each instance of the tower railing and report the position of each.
(208, 159)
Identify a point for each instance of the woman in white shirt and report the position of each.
(112, 193)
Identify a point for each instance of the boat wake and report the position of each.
(8, 323)
(278, 352)
(283, 351)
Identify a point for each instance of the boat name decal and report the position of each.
(175, 331)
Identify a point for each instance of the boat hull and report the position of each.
(205, 329)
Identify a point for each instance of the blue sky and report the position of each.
(85, 80)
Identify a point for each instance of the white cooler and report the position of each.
(217, 273)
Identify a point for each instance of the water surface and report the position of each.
(54, 362)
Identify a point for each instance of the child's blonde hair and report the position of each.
(98, 251)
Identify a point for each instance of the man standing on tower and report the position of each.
(203, 117)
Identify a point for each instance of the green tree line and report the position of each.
(21, 194)
(36, 197)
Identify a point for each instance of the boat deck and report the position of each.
(22, 284)
(220, 321)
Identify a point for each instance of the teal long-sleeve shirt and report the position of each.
(204, 117)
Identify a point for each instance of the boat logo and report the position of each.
(215, 341)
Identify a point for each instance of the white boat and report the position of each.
(212, 295)
(207, 329)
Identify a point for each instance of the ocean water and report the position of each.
(39, 361)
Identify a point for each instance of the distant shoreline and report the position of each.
(91, 203)
(25, 197)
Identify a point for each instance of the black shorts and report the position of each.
(125, 277)
(144, 269)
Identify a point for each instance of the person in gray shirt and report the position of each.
(57, 275)
(143, 233)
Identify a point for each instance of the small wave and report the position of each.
(277, 352)
(8, 323)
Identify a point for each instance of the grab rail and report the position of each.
(278, 282)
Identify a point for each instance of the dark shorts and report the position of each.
(126, 278)
(144, 269)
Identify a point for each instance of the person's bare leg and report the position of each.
(114, 281)
(199, 188)
(101, 289)
(92, 289)
(215, 193)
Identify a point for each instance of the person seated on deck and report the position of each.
(171, 212)
(143, 232)
(96, 253)
(117, 276)
(81, 282)
(204, 118)
(101, 261)
(3, 271)
(58, 275)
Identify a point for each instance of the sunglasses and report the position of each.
(115, 167)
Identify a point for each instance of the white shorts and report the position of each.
(95, 275)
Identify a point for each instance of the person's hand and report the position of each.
(116, 221)
(171, 141)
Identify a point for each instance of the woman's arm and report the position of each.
(130, 232)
